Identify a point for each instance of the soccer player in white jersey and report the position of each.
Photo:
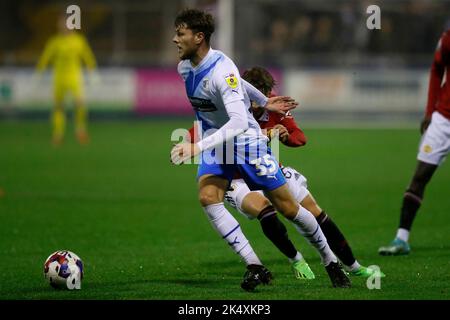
(221, 104)
(433, 149)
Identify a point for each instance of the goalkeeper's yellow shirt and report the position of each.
(67, 53)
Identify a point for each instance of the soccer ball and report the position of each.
(64, 270)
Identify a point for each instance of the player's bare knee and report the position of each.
(264, 203)
(254, 203)
(208, 197)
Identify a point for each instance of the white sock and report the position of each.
(307, 225)
(297, 257)
(231, 232)
(403, 234)
(353, 267)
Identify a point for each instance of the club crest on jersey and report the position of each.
(205, 84)
(231, 81)
(427, 148)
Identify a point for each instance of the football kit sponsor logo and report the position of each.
(202, 105)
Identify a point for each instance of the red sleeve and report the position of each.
(191, 134)
(296, 136)
(441, 57)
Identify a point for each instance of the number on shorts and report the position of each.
(262, 163)
(287, 174)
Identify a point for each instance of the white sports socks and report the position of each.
(230, 230)
(307, 225)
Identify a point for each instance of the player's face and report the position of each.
(186, 42)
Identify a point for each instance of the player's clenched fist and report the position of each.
(279, 131)
(183, 151)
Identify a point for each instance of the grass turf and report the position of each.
(135, 221)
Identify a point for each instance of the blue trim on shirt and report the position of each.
(189, 83)
(204, 123)
(193, 80)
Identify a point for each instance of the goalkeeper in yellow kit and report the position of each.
(67, 51)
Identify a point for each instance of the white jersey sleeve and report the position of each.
(254, 94)
(237, 124)
(227, 83)
(227, 86)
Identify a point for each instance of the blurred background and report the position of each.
(321, 53)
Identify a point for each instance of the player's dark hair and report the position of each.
(260, 78)
(197, 21)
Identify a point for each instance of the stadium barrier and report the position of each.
(161, 91)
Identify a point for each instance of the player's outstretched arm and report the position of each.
(237, 124)
(278, 104)
(281, 104)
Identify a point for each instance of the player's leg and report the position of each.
(434, 147)
(259, 206)
(302, 219)
(81, 115)
(58, 117)
(412, 199)
(211, 194)
(336, 239)
(262, 172)
(414, 195)
(254, 205)
(297, 184)
(307, 225)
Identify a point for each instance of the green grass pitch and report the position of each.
(135, 221)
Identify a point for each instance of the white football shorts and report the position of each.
(435, 143)
(238, 190)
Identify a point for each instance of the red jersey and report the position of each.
(438, 92)
(296, 136)
(267, 121)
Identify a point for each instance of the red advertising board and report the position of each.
(160, 92)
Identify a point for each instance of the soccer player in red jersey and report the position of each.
(434, 145)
